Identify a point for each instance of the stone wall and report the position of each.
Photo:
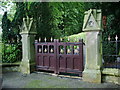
(111, 75)
(10, 67)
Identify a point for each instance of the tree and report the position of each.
(67, 18)
(6, 24)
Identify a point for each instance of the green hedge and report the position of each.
(11, 53)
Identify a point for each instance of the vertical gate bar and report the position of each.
(65, 50)
(48, 49)
(116, 50)
(116, 47)
(80, 51)
(48, 56)
(42, 49)
(55, 54)
(72, 51)
(72, 56)
(36, 55)
(82, 54)
(3, 56)
(65, 54)
(42, 56)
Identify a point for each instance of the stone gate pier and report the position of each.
(93, 27)
(28, 32)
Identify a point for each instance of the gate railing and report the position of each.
(111, 54)
(52, 43)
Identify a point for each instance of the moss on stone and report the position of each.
(76, 37)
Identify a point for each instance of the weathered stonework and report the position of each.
(28, 37)
(93, 62)
(111, 71)
(111, 75)
(93, 76)
(10, 69)
(92, 20)
(112, 79)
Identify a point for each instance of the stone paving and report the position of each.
(44, 80)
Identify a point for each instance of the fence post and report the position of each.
(93, 27)
(28, 33)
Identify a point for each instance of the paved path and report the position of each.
(43, 80)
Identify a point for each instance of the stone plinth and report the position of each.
(93, 76)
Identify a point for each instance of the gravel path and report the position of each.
(43, 80)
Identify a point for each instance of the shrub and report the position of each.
(11, 53)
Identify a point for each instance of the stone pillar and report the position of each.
(28, 32)
(93, 27)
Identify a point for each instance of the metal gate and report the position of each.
(60, 56)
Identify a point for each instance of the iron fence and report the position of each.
(111, 53)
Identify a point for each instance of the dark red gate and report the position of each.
(60, 56)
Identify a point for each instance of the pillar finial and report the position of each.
(92, 20)
(28, 26)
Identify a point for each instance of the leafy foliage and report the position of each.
(10, 51)
(10, 31)
(67, 18)
(6, 27)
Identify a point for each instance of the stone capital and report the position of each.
(92, 20)
(28, 26)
